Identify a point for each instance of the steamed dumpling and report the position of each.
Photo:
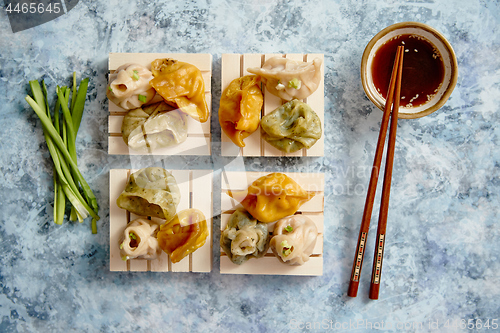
(154, 126)
(240, 106)
(138, 240)
(244, 237)
(272, 197)
(130, 88)
(184, 234)
(151, 192)
(293, 240)
(181, 85)
(289, 79)
(291, 127)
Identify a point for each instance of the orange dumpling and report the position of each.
(240, 106)
(272, 197)
(181, 85)
(184, 234)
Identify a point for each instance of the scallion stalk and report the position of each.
(61, 142)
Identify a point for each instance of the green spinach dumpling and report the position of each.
(244, 237)
(154, 126)
(291, 127)
(151, 192)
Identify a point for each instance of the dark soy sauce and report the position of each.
(423, 69)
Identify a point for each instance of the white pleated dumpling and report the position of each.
(294, 238)
(130, 87)
(289, 79)
(154, 126)
(138, 240)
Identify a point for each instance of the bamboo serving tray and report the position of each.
(196, 192)
(198, 140)
(269, 264)
(234, 66)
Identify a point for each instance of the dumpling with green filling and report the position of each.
(289, 79)
(151, 192)
(291, 127)
(153, 127)
(244, 237)
(138, 240)
(129, 87)
(294, 238)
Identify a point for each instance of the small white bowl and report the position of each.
(435, 38)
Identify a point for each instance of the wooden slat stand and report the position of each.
(269, 264)
(198, 141)
(235, 66)
(196, 192)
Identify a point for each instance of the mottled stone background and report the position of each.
(442, 257)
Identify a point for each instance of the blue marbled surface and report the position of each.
(441, 264)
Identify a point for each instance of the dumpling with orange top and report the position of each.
(184, 234)
(239, 108)
(181, 85)
(272, 197)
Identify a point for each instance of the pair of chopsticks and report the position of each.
(393, 97)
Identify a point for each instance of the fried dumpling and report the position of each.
(130, 88)
(154, 126)
(151, 192)
(244, 237)
(184, 234)
(240, 106)
(291, 127)
(289, 79)
(181, 85)
(272, 197)
(293, 240)
(138, 240)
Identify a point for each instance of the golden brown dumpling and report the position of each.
(184, 234)
(181, 85)
(273, 197)
(240, 106)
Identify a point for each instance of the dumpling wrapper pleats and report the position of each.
(291, 127)
(294, 238)
(138, 240)
(151, 192)
(272, 197)
(289, 79)
(153, 127)
(239, 108)
(131, 81)
(181, 85)
(184, 234)
(244, 237)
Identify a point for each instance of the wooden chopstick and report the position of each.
(386, 189)
(372, 187)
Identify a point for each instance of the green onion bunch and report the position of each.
(60, 131)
